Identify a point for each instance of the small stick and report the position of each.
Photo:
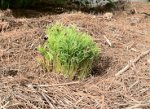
(108, 41)
(103, 103)
(27, 102)
(134, 84)
(50, 98)
(137, 106)
(79, 100)
(16, 104)
(50, 104)
(134, 61)
(4, 106)
(71, 83)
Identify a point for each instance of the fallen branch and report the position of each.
(131, 63)
(71, 83)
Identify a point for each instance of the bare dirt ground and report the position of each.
(24, 85)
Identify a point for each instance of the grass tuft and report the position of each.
(69, 51)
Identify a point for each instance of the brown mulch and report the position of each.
(25, 85)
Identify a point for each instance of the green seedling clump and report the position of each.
(69, 51)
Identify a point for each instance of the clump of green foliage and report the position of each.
(69, 51)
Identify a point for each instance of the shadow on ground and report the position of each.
(40, 9)
(101, 65)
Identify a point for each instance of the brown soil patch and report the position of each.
(21, 76)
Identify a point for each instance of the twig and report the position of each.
(96, 39)
(138, 105)
(134, 84)
(71, 83)
(96, 98)
(108, 41)
(50, 98)
(50, 104)
(27, 102)
(79, 100)
(103, 103)
(9, 106)
(4, 106)
(133, 62)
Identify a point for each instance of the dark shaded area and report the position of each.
(23, 7)
(9, 72)
(101, 65)
(4, 4)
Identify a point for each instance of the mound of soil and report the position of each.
(123, 39)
